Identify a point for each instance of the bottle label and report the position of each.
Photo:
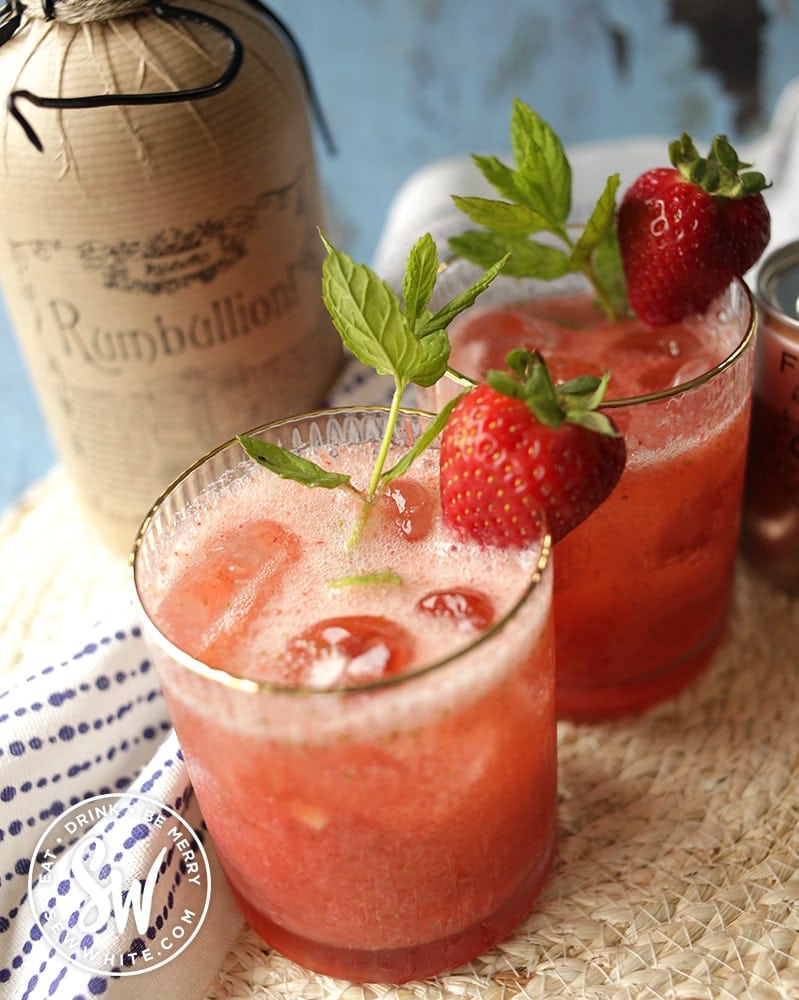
(770, 525)
(776, 393)
(147, 352)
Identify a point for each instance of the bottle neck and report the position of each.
(82, 11)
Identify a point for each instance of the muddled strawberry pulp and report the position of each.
(352, 616)
(388, 820)
(641, 358)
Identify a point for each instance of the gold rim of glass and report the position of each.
(244, 684)
(676, 390)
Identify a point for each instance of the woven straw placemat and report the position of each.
(678, 866)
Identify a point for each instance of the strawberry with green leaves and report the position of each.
(686, 231)
(543, 456)
(520, 455)
(680, 235)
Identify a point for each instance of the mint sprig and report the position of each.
(400, 338)
(372, 323)
(407, 342)
(536, 198)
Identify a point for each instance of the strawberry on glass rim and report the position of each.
(520, 455)
(686, 231)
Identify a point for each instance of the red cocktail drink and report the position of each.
(642, 586)
(387, 817)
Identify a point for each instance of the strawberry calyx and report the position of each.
(721, 173)
(575, 401)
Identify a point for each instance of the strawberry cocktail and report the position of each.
(643, 584)
(365, 700)
(369, 727)
(647, 294)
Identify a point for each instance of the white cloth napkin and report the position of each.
(88, 723)
(90, 720)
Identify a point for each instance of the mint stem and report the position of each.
(602, 297)
(385, 445)
(380, 464)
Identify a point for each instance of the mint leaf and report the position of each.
(542, 164)
(430, 359)
(599, 224)
(503, 179)
(481, 247)
(502, 216)
(528, 258)
(538, 199)
(610, 273)
(288, 465)
(544, 261)
(421, 271)
(463, 300)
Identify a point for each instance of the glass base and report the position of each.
(417, 961)
(594, 704)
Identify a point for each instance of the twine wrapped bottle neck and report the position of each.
(84, 11)
(81, 11)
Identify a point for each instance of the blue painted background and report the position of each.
(404, 82)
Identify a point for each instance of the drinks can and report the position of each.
(770, 531)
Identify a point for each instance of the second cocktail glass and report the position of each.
(642, 587)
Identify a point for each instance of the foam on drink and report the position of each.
(259, 559)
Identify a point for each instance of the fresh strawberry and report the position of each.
(687, 230)
(520, 455)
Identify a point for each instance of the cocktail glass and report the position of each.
(384, 832)
(642, 587)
